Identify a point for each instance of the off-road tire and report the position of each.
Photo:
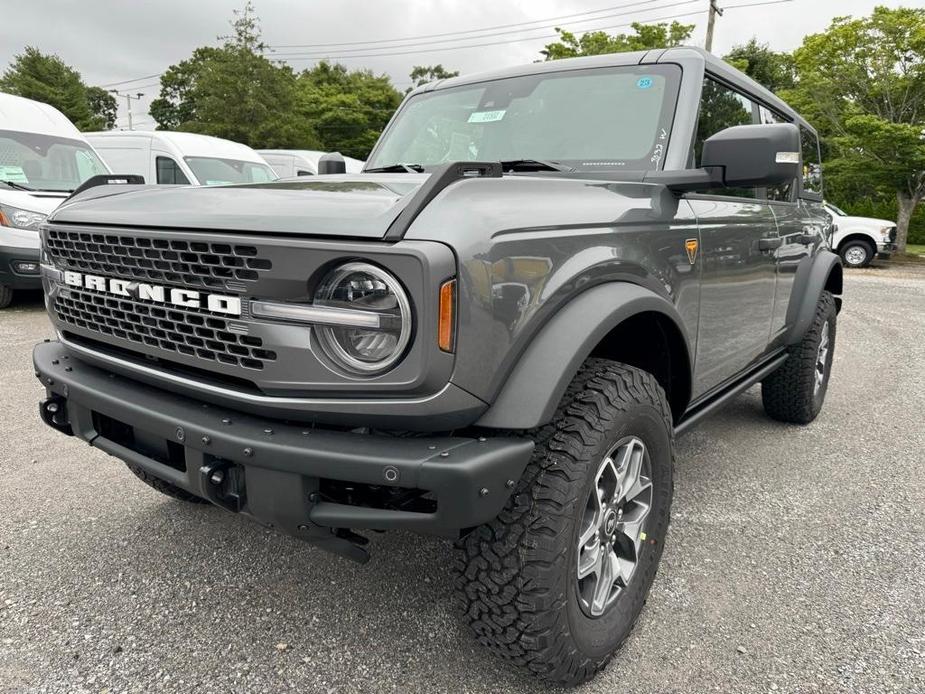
(849, 259)
(516, 576)
(789, 393)
(165, 487)
(6, 296)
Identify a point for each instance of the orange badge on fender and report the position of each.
(691, 245)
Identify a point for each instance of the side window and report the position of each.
(784, 192)
(169, 172)
(812, 163)
(721, 108)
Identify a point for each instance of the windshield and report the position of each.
(836, 210)
(602, 118)
(46, 162)
(211, 171)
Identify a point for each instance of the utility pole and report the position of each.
(128, 103)
(714, 10)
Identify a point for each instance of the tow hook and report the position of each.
(223, 484)
(54, 413)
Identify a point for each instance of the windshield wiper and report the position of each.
(534, 165)
(397, 168)
(16, 186)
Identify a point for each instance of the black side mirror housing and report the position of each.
(332, 163)
(754, 155)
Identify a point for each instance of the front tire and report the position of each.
(6, 296)
(796, 391)
(857, 253)
(557, 581)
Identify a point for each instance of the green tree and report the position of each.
(46, 78)
(772, 69)
(644, 36)
(422, 74)
(347, 110)
(103, 105)
(234, 92)
(862, 82)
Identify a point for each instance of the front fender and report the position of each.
(538, 381)
(814, 274)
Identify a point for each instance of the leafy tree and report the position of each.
(863, 83)
(233, 92)
(103, 104)
(644, 36)
(772, 69)
(422, 74)
(48, 79)
(347, 110)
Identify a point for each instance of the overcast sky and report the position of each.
(110, 41)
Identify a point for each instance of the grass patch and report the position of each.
(915, 249)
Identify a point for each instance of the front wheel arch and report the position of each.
(586, 327)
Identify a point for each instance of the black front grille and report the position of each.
(170, 261)
(892, 234)
(191, 333)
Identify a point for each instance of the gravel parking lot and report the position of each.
(795, 562)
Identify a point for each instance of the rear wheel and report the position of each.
(857, 253)
(165, 487)
(795, 392)
(6, 296)
(557, 581)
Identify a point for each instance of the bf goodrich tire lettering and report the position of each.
(516, 577)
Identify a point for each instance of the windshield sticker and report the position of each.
(486, 116)
(644, 82)
(13, 174)
(217, 182)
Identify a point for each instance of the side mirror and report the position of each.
(332, 164)
(754, 155)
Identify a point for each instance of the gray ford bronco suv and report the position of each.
(494, 333)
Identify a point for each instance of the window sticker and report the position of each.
(13, 174)
(486, 116)
(644, 82)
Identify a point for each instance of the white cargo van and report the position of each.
(43, 157)
(180, 158)
(301, 162)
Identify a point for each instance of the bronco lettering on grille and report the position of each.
(188, 298)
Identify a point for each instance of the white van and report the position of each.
(301, 162)
(180, 158)
(43, 157)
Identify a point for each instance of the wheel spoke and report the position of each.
(605, 580)
(589, 561)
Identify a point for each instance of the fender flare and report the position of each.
(538, 381)
(812, 277)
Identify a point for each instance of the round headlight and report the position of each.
(365, 287)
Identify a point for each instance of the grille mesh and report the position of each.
(184, 332)
(170, 261)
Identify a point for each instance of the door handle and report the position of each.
(770, 243)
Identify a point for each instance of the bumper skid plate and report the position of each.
(272, 470)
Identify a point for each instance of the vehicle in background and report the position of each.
(859, 239)
(43, 157)
(180, 158)
(301, 162)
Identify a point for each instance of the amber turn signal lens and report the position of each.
(446, 326)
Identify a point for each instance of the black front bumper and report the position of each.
(273, 470)
(12, 275)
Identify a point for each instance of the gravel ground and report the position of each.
(795, 561)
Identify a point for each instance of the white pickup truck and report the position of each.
(859, 239)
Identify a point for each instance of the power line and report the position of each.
(756, 4)
(465, 31)
(137, 79)
(485, 36)
(493, 43)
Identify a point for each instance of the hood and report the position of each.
(37, 201)
(347, 205)
(865, 222)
